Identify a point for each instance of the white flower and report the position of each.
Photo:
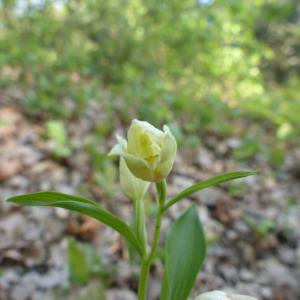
(133, 187)
(219, 295)
(149, 152)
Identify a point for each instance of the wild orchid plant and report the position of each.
(147, 157)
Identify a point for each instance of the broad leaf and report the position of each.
(184, 254)
(81, 205)
(208, 183)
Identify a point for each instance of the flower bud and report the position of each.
(149, 152)
(219, 295)
(133, 187)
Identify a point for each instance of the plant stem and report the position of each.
(147, 261)
(143, 280)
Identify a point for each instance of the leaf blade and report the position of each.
(185, 253)
(47, 198)
(208, 183)
(81, 205)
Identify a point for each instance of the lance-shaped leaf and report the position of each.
(208, 183)
(184, 255)
(81, 205)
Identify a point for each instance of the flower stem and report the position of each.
(144, 277)
(147, 261)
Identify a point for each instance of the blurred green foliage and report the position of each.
(261, 227)
(104, 172)
(84, 263)
(197, 65)
(57, 134)
(78, 266)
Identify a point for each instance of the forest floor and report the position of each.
(252, 225)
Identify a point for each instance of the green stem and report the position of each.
(147, 261)
(143, 282)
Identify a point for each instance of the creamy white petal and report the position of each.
(241, 297)
(139, 167)
(121, 141)
(219, 295)
(168, 154)
(133, 187)
(169, 148)
(148, 127)
(214, 295)
(117, 150)
(149, 152)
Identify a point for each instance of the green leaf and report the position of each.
(208, 183)
(81, 205)
(184, 255)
